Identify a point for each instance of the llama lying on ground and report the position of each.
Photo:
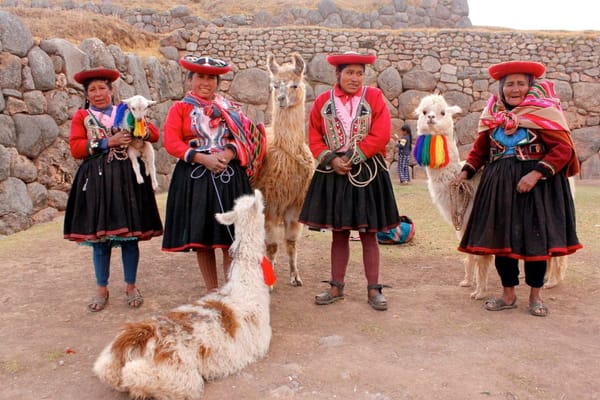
(288, 165)
(171, 356)
(133, 120)
(455, 203)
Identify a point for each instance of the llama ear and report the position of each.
(298, 63)
(227, 218)
(150, 102)
(272, 64)
(453, 110)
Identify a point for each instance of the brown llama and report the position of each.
(288, 165)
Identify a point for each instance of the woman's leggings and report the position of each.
(508, 269)
(130, 254)
(340, 255)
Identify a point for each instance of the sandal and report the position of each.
(538, 309)
(497, 304)
(327, 297)
(135, 299)
(97, 303)
(377, 302)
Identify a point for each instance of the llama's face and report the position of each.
(287, 81)
(138, 105)
(435, 116)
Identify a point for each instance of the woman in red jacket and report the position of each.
(349, 129)
(523, 208)
(211, 137)
(107, 207)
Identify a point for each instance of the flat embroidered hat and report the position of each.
(204, 65)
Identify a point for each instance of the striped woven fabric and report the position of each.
(539, 110)
(432, 151)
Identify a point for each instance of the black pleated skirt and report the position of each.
(368, 204)
(106, 202)
(530, 226)
(195, 196)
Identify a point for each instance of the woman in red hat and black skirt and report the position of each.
(213, 141)
(523, 208)
(107, 207)
(349, 129)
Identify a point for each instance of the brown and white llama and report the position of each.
(171, 356)
(435, 117)
(288, 164)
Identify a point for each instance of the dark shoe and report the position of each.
(378, 302)
(497, 304)
(327, 297)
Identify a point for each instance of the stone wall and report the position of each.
(39, 94)
(397, 14)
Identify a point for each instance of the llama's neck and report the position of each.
(288, 126)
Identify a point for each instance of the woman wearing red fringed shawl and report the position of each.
(523, 208)
(219, 150)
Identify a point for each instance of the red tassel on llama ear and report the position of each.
(268, 272)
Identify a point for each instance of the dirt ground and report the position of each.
(434, 342)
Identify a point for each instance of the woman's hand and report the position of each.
(528, 182)
(119, 139)
(460, 178)
(214, 162)
(341, 165)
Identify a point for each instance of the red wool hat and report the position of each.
(96, 73)
(204, 65)
(498, 71)
(351, 57)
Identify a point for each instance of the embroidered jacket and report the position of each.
(188, 129)
(369, 130)
(543, 145)
(89, 136)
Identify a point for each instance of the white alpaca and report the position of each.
(435, 118)
(171, 356)
(138, 106)
(454, 203)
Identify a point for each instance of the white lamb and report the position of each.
(138, 106)
(171, 356)
(435, 117)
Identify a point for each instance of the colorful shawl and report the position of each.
(432, 151)
(250, 138)
(540, 110)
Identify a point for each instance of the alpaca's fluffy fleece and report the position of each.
(172, 355)
(138, 106)
(435, 117)
(288, 165)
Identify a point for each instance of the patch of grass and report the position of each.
(12, 366)
(54, 355)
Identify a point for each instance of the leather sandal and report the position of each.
(97, 303)
(327, 297)
(135, 299)
(377, 302)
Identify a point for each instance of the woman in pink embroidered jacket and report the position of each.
(523, 208)
(107, 207)
(349, 129)
(212, 140)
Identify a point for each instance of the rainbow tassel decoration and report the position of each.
(139, 128)
(432, 151)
